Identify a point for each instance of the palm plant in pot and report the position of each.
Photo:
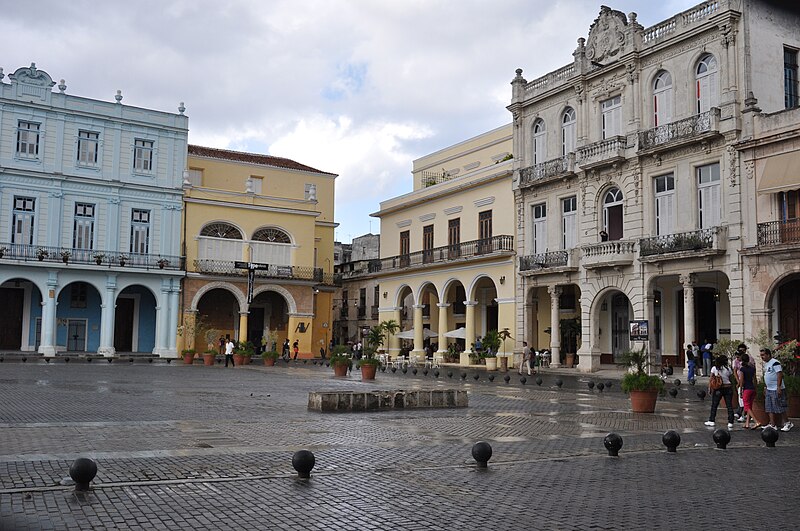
(643, 388)
(269, 357)
(339, 360)
(369, 363)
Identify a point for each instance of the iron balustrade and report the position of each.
(470, 249)
(543, 260)
(686, 129)
(227, 267)
(681, 241)
(779, 232)
(72, 255)
(561, 166)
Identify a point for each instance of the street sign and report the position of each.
(250, 265)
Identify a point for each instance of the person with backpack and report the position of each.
(720, 387)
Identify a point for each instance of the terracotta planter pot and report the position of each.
(644, 401)
(759, 412)
(368, 371)
(269, 362)
(340, 369)
(208, 359)
(188, 359)
(794, 406)
(238, 359)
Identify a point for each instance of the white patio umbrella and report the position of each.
(458, 333)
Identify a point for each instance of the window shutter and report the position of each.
(713, 87)
(665, 110)
(665, 214)
(569, 231)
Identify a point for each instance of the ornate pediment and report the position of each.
(30, 81)
(607, 36)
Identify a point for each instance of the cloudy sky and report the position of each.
(359, 88)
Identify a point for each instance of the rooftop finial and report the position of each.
(62, 86)
(118, 97)
(181, 108)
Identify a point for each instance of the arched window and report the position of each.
(271, 235)
(706, 83)
(568, 131)
(539, 142)
(612, 213)
(662, 99)
(221, 230)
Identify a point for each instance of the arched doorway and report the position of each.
(20, 315)
(218, 310)
(612, 214)
(429, 298)
(78, 318)
(268, 314)
(613, 326)
(135, 320)
(788, 305)
(455, 295)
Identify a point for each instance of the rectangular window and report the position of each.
(195, 177)
(427, 243)
(258, 184)
(454, 238)
(376, 294)
(362, 303)
(790, 78)
(24, 217)
(77, 295)
(569, 226)
(143, 155)
(665, 204)
(789, 205)
(708, 195)
(83, 226)
(612, 117)
(485, 232)
(140, 231)
(405, 246)
(539, 228)
(88, 143)
(28, 140)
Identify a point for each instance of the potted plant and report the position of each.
(570, 332)
(98, 258)
(209, 356)
(269, 357)
(65, 256)
(122, 259)
(3, 250)
(162, 263)
(491, 344)
(41, 253)
(369, 363)
(642, 387)
(340, 361)
(188, 356)
(243, 353)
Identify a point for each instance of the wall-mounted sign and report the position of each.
(639, 330)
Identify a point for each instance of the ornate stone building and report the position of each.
(631, 201)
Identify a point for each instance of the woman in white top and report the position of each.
(725, 391)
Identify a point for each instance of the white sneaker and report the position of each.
(709, 423)
(730, 425)
(788, 426)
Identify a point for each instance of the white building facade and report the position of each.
(90, 217)
(634, 184)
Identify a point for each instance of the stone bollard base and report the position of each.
(354, 401)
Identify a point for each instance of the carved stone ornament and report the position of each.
(749, 169)
(606, 36)
(733, 157)
(32, 76)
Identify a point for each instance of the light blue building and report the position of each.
(90, 219)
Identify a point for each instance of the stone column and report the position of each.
(243, 326)
(394, 341)
(649, 313)
(687, 280)
(108, 311)
(419, 339)
(470, 331)
(172, 324)
(47, 343)
(555, 327)
(442, 326)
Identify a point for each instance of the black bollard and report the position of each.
(523, 380)
(608, 383)
(506, 378)
(701, 394)
(83, 471)
(89, 360)
(436, 373)
(559, 383)
(66, 359)
(722, 437)
(24, 359)
(414, 371)
(149, 360)
(677, 383)
(613, 443)
(394, 369)
(601, 386)
(476, 376)
(303, 461)
(109, 360)
(590, 385)
(770, 436)
(449, 374)
(425, 372)
(491, 377)
(673, 392)
(482, 452)
(47, 360)
(671, 440)
(539, 380)
(405, 370)
(463, 376)
(130, 360)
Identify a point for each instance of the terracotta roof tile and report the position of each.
(252, 158)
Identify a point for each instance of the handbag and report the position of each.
(715, 382)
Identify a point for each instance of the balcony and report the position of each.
(676, 134)
(375, 312)
(551, 262)
(308, 274)
(779, 234)
(560, 167)
(693, 244)
(350, 270)
(616, 253)
(603, 153)
(344, 313)
(94, 257)
(450, 253)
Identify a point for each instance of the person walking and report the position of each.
(296, 347)
(775, 392)
(707, 357)
(736, 366)
(747, 383)
(690, 362)
(526, 358)
(229, 353)
(221, 345)
(725, 391)
(285, 350)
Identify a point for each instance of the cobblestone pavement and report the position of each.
(192, 447)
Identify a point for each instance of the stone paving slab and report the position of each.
(184, 447)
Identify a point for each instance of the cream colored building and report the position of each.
(447, 247)
(273, 213)
(638, 188)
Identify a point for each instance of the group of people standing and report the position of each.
(723, 380)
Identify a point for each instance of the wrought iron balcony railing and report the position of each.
(543, 260)
(552, 168)
(680, 132)
(779, 233)
(228, 268)
(673, 243)
(447, 253)
(96, 257)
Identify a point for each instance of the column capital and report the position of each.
(554, 290)
(687, 279)
(442, 304)
(418, 306)
(470, 303)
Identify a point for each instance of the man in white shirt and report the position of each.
(775, 392)
(526, 358)
(229, 352)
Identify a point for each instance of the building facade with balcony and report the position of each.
(630, 198)
(357, 299)
(258, 238)
(90, 213)
(447, 248)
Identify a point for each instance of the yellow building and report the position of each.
(447, 248)
(258, 239)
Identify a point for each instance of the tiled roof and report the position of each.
(252, 158)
